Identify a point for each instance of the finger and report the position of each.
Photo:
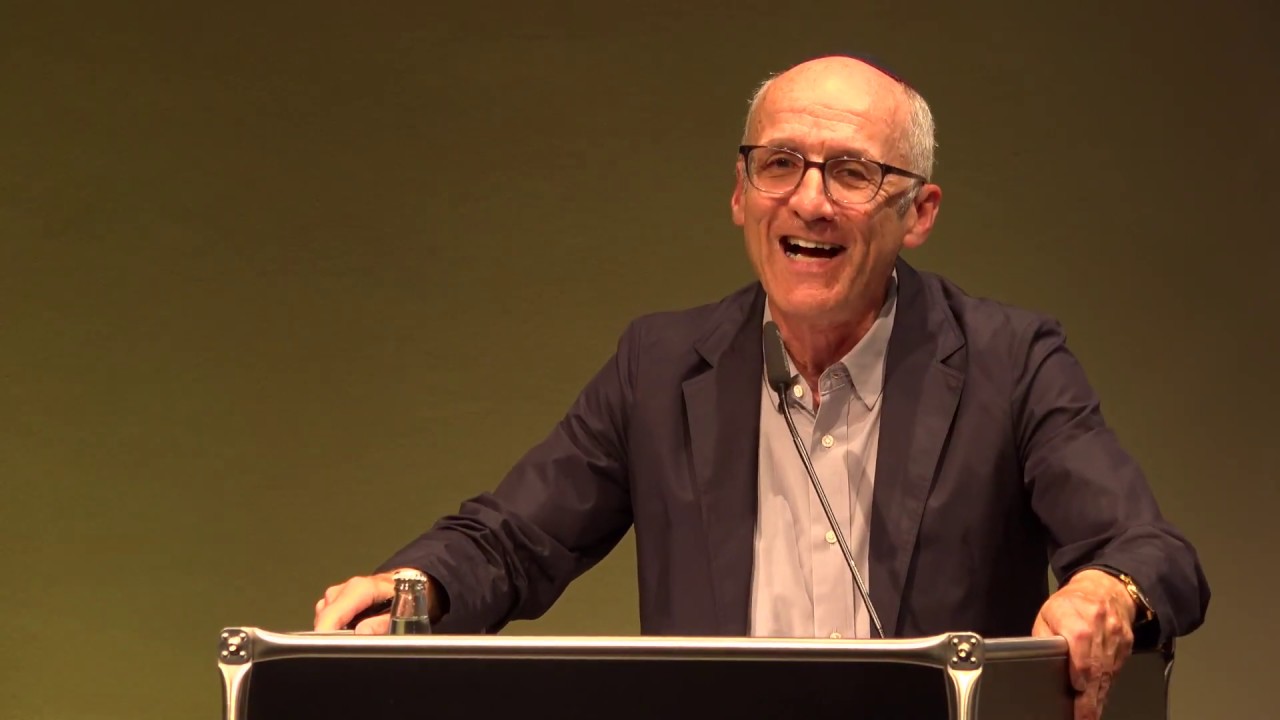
(1059, 616)
(1041, 628)
(1119, 632)
(356, 595)
(1117, 644)
(1123, 637)
(376, 625)
(1086, 706)
(1081, 648)
(1099, 661)
(329, 596)
(1126, 645)
(336, 614)
(335, 590)
(321, 604)
(1113, 636)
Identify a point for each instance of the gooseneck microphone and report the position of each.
(779, 376)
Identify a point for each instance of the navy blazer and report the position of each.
(994, 464)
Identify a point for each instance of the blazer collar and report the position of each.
(730, 326)
(924, 375)
(722, 412)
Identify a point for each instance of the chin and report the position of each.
(810, 306)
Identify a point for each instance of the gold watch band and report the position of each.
(1145, 613)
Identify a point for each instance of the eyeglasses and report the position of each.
(846, 180)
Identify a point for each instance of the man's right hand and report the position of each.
(343, 602)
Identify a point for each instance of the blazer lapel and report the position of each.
(722, 407)
(920, 396)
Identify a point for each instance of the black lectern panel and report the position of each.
(1031, 689)
(1039, 688)
(957, 676)
(320, 688)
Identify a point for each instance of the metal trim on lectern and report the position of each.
(1027, 678)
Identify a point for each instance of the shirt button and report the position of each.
(798, 390)
(831, 537)
(836, 636)
(828, 441)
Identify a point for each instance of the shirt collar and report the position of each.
(865, 362)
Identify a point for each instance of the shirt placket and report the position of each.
(828, 445)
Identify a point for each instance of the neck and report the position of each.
(816, 343)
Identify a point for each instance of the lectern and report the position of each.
(953, 676)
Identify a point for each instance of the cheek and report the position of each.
(751, 237)
(757, 214)
(756, 232)
(879, 232)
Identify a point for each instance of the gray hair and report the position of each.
(918, 143)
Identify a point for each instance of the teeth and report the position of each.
(811, 244)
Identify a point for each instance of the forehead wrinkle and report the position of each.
(827, 112)
(813, 119)
(840, 133)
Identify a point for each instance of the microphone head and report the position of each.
(776, 368)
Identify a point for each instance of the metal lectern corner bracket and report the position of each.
(234, 647)
(964, 671)
(966, 652)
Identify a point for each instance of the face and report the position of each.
(820, 261)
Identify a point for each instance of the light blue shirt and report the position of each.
(801, 585)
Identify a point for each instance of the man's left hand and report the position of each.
(1094, 612)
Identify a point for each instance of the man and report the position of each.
(958, 438)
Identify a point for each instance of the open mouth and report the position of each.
(808, 249)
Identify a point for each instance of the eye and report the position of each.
(776, 162)
(853, 173)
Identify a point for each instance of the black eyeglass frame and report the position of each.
(885, 171)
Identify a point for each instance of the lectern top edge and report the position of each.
(250, 644)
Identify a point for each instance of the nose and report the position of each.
(809, 200)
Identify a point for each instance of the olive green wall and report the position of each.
(279, 285)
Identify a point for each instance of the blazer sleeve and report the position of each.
(1089, 493)
(509, 554)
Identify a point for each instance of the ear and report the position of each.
(923, 213)
(735, 202)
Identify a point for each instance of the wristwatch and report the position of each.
(1143, 611)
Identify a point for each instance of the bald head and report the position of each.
(839, 86)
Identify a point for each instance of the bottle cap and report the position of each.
(409, 576)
